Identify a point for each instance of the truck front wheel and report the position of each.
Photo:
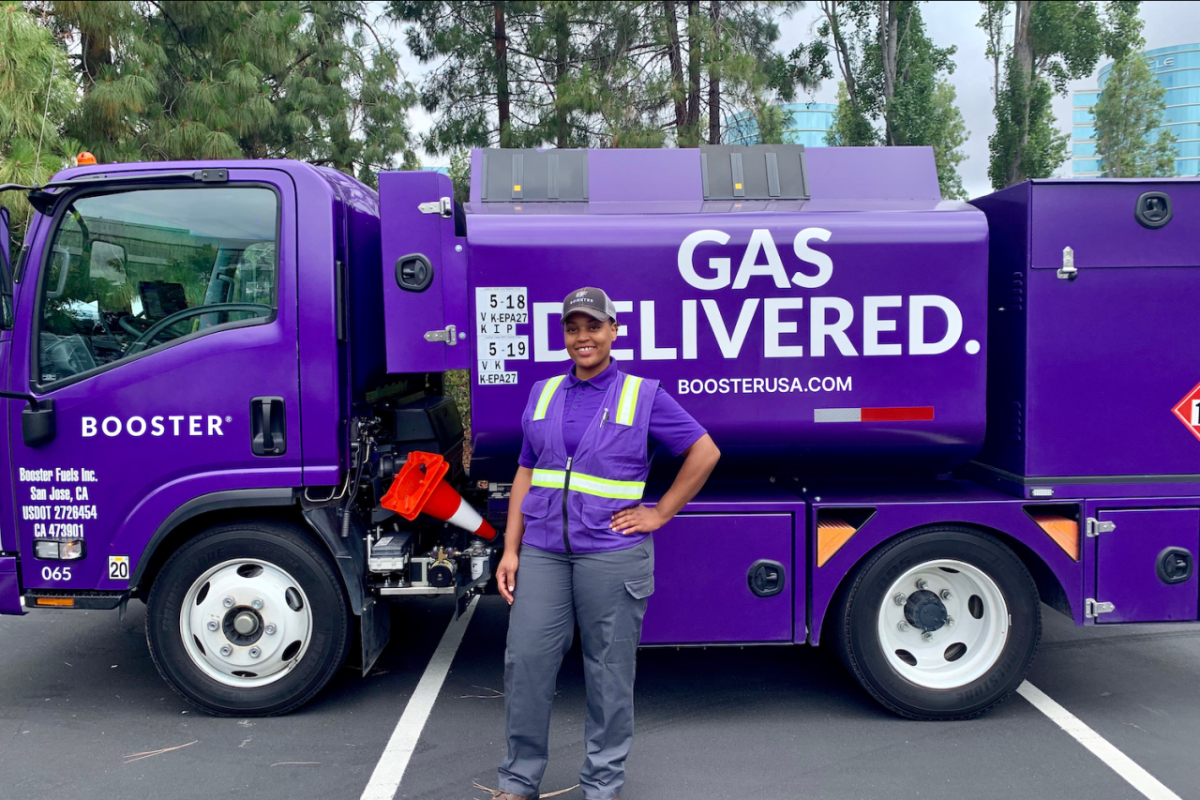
(940, 624)
(248, 619)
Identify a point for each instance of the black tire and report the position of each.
(285, 547)
(857, 630)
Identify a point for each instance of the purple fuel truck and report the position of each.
(934, 416)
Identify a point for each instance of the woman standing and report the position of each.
(581, 539)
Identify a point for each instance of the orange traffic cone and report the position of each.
(420, 488)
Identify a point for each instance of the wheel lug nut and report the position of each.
(950, 621)
(926, 636)
(945, 594)
(212, 625)
(256, 603)
(270, 629)
(922, 584)
(226, 650)
(902, 626)
(255, 652)
(899, 598)
(228, 602)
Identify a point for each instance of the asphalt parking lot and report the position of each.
(84, 714)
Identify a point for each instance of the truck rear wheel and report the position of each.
(248, 619)
(940, 624)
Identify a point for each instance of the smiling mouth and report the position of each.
(583, 351)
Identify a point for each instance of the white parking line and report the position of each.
(385, 780)
(1122, 764)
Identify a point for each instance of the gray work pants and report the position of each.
(606, 593)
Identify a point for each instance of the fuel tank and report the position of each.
(818, 311)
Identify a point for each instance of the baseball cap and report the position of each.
(591, 301)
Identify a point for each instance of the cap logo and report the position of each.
(581, 294)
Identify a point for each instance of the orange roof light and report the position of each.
(85, 158)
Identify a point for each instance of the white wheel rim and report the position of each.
(955, 654)
(258, 596)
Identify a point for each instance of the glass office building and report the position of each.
(804, 123)
(1178, 68)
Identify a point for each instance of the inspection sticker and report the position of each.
(498, 312)
(118, 568)
(1188, 410)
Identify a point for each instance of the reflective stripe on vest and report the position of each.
(628, 403)
(543, 403)
(589, 484)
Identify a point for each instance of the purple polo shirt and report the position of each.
(670, 425)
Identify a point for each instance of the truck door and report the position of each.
(425, 274)
(158, 322)
(1145, 564)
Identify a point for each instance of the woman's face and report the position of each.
(588, 339)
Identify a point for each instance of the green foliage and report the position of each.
(850, 126)
(894, 90)
(1053, 43)
(460, 175)
(1128, 112)
(253, 79)
(36, 94)
(528, 73)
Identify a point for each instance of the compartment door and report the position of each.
(1146, 566)
(424, 274)
(702, 564)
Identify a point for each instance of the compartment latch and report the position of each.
(1068, 271)
(1093, 609)
(441, 207)
(1095, 527)
(449, 335)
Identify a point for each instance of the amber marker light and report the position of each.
(59, 602)
(84, 159)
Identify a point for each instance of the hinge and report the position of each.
(1093, 609)
(1095, 527)
(449, 335)
(1067, 271)
(443, 207)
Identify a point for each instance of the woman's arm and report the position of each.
(506, 571)
(698, 464)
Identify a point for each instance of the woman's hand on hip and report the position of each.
(506, 575)
(638, 519)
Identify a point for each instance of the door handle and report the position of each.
(268, 426)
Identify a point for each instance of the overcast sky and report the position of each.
(947, 22)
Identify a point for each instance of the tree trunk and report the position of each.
(675, 56)
(889, 51)
(693, 93)
(714, 75)
(502, 106)
(1022, 78)
(562, 44)
(841, 48)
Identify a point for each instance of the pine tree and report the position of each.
(37, 93)
(206, 80)
(1128, 112)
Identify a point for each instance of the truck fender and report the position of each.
(204, 504)
(350, 552)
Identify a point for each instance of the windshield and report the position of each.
(132, 271)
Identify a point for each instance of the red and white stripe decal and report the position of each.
(895, 414)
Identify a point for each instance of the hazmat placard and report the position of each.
(1188, 410)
